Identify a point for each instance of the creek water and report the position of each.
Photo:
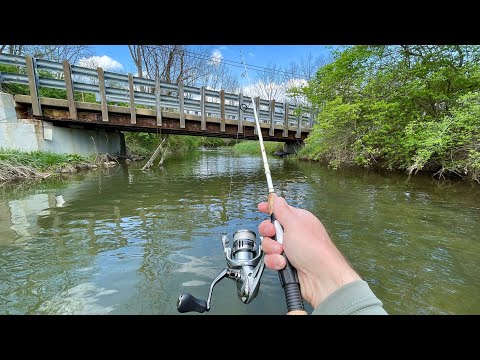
(129, 242)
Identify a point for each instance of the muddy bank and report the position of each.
(33, 166)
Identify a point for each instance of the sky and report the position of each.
(117, 57)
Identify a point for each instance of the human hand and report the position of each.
(321, 268)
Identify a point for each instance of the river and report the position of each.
(129, 242)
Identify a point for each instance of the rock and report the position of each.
(82, 166)
(138, 158)
(68, 169)
(280, 153)
(110, 157)
(128, 161)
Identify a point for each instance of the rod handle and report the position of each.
(288, 277)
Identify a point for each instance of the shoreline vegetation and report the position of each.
(16, 165)
(413, 108)
(19, 166)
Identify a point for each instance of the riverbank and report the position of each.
(144, 144)
(16, 165)
(253, 147)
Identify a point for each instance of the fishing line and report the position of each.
(229, 192)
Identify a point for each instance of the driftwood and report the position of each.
(155, 154)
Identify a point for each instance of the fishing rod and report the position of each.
(245, 259)
(288, 275)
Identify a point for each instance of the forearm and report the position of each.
(355, 298)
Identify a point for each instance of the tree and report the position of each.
(270, 84)
(399, 107)
(72, 53)
(172, 63)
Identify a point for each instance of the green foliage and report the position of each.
(42, 91)
(253, 147)
(14, 88)
(84, 97)
(144, 144)
(409, 107)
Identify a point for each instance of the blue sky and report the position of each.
(258, 55)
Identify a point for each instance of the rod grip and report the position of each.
(289, 279)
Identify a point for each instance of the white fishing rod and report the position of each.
(288, 275)
(244, 258)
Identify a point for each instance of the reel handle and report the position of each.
(187, 302)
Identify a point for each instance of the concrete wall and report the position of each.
(29, 135)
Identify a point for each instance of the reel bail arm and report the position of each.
(245, 265)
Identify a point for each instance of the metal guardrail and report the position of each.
(120, 88)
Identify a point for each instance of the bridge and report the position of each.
(129, 103)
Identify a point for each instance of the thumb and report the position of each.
(282, 212)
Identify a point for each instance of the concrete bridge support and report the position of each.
(292, 147)
(32, 135)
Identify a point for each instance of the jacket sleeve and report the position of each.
(355, 298)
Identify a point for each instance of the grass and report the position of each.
(253, 147)
(16, 165)
(41, 160)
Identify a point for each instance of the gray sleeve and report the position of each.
(355, 298)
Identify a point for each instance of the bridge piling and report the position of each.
(103, 94)
(67, 74)
(257, 105)
(222, 110)
(299, 127)
(286, 109)
(33, 84)
(272, 118)
(133, 113)
(203, 125)
(157, 101)
(181, 100)
(240, 113)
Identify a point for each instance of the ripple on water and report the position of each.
(79, 300)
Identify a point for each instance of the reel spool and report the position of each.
(245, 265)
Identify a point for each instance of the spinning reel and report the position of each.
(245, 265)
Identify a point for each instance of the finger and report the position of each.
(266, 228)
(275, 261)
(271, 246)
(283, 213)
(263, 207)
(271, 200)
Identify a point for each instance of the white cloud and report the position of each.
(105, 62)
(216, 57)
(278, 91)
(251, 54)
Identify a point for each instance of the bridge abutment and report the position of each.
(32, 135)
(292, 147)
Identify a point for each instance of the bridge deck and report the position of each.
(151, 105)
(89, 115)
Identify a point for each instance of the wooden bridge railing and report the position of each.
(133, 92)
